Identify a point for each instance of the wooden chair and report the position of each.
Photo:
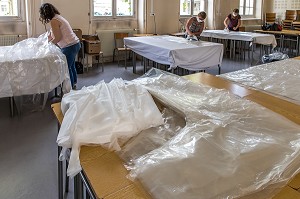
(270, 18)
(296, 24)
(297, 15)
(119, 47)
(290, 16)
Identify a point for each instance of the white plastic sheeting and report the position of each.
(259, 38)
(104, 114)
(281, 78)
(32, 66)
(229, 148)
(177, 51)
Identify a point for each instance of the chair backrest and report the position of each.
(270, 17)
(290, 15)
(298, 15)
(78, 33)
(119, 39)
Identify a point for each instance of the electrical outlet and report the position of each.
(152, 14)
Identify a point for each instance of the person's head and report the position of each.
(47, 12)
(201, 16)
(235, 12)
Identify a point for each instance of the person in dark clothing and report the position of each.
(233, 20)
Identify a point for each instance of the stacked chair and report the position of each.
(290, 17)
(270, 18)
(296, 24)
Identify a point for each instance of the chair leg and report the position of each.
(114, 53)
(102, 62)
(118, 58)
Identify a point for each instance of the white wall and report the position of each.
(75, 11)
(166, 16)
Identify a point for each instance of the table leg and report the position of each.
(133, 62)
(60, 175)
(11, 105)
(297, 46)
(252, 51)
(89, 192)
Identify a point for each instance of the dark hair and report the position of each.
(236, 10)
(47, 12)
(202, 14)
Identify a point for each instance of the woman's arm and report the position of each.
(187, 26)
(55, 25)
(226, 22)
(238, 25)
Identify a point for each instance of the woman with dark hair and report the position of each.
(233, 20)
(61, 35)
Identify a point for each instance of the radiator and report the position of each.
(8, 40)
(107, 39)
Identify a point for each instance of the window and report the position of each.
(191, 7)
(247, 8)
(113, 8)
(9, 8)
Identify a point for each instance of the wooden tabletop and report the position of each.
(282, 32)
(144, 35)
(107, 175)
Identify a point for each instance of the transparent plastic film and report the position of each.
(278, 78)
(229, 147)
(32, 66)
(105, 114)
(152, 138)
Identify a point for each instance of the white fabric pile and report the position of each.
(105, 114)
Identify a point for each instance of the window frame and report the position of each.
(114, 13)
(244, 9)
(19, 17)
(192, 9)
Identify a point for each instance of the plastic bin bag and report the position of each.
(105, 114)
(229, 148)
(276, 56)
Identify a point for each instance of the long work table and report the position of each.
(176, 52)
(104, 175)
(283, 36)
(246, 40)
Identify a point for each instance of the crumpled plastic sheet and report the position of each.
(32, 66)
(281, 78)
(106, 114)
(229, 148)
(152, 138)
(275, 56)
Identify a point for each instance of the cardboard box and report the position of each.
(92, 44)
(92, 47)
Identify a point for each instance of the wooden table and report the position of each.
(105, 174)
(282, 36)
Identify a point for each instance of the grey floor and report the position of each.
(28, 149)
